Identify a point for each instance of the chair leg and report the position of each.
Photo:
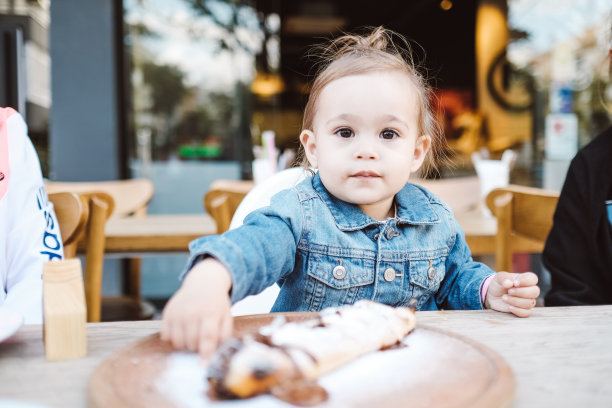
(70, 251)
(132, 281)
(94, 258)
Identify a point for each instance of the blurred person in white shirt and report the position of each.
(29, 231)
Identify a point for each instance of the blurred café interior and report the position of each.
(184, 92)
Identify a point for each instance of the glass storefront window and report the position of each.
(190, 62)
(563, 46)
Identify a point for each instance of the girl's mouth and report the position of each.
(365, 174)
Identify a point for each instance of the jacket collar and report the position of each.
(413, 207)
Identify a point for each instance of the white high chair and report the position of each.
(259, 197)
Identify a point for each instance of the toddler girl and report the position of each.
(357, 229)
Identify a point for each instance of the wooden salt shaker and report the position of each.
(64, 310)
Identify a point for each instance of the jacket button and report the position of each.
(431, 273)
(389, 274)
(390, 233)
(339, 272)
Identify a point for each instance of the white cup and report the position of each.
(263, 169)
(492, 174)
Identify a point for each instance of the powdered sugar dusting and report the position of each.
(184, 383)
(367, 381)
(403, 371)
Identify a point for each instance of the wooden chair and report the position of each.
(131, 196)
(222, 200)
(82, 217)
(72, 218)
(130, 199)
(524, 219)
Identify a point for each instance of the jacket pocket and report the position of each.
(426, 273)
(348, 272)
(336, 280)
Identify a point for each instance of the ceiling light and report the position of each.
(267, 85)
(446, 5)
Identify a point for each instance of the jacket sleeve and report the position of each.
(33, 234)
(566, 254)
(261, 251)
(461, 286)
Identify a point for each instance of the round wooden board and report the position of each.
(436, 369)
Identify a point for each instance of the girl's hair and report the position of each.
(379, 50)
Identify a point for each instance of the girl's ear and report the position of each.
(421, 147)
(308, 140)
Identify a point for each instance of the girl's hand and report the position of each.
(514, 293)
(198, 317)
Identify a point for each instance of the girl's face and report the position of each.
(365, 139)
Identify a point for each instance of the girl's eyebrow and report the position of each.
(350, 117)
(393, 118)
(342, 117)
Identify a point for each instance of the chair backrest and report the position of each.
(222, 200)
(72, 218)
(524, 219)
(130, 197)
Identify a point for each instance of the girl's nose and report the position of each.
(366, 150)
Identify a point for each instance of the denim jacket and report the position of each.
(325, 252)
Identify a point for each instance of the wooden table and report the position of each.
(156, 233)
(479, 231)
(561, 357)
(173, 232)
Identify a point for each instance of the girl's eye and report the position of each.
(389, 134)
(344, 133)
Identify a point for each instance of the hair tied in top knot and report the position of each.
(375, 39)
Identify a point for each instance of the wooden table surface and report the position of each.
(156, 232)
(561, 357)
(479, 231)
(173, 232)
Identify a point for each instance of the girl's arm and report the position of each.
(197, 317)
(473, 285)
(226, 268)
(261, 251)
(462, 285)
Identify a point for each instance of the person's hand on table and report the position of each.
(514, 293)
(198, 316)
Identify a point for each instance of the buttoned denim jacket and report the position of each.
(325, 252)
